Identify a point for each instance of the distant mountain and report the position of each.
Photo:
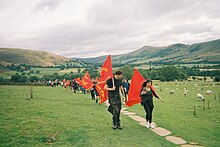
(30, 57)
(206, 52)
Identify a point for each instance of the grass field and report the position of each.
(177, 112)
(6, 74)
(72, 119)
(75, 120)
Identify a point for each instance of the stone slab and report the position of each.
(128, 113)
(137, 118)
(161, 131)
(175, 140)
(144, 123)
(124, 108)
(190, 145)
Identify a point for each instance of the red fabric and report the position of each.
(78, 80)
(86, 82)
(105, 74)
(67, 83)
(135, 89)
(64, 81)
(102, 93)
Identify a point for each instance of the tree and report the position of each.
(144, 73)
(34, 79)
(15, 78)
(127, 71)
(170, 73)
(217, 79)
(55, 76)
(62, 67)
(154, 74)
(78, 70)
(46, 77)
(193, 78)
(183, 76)
(18, 78)
(23, 73)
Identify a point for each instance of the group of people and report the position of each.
(74, 86)
(115, 85)
(95, 95)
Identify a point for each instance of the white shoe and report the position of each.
(151, 126)
(147, 126)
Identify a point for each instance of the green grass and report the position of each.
(6, 74)
(74, 119)
(177, 112)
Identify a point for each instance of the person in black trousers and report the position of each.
(147, 94)
(126, 86)
(114, 98)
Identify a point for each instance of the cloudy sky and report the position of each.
(89, 28)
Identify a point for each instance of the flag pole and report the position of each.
(113, 81)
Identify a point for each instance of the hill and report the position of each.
(206, 52)
(21, 56)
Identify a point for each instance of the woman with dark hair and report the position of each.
(147, 93)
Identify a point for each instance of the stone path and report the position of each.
(159, 130)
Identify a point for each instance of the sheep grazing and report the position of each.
(185, 92)
(171, 92)
(200, 97)
(209, 92)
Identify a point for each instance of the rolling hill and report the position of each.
(206, 52)
(21, 56)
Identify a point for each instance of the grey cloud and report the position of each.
(46, 4)
(119, 26)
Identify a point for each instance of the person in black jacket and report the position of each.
(147, 94)
(114, 89)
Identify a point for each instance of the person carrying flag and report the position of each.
(147, 93)
(113, 85)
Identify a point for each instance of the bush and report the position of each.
(34, 79)
(18, 78)
(217, 79)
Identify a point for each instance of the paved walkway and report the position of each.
(159, 130)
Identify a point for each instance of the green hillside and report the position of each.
(30, 57)
(206, 52)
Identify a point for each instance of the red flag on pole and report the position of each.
(67, 83)
(135, 89)
(105, 74)
(86, 82)
(64, 81)
(78, 80)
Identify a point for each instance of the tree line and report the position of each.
(165, 73)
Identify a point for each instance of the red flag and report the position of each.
(105, 74)
(78, 80)
(102, 93)
(106, 71)
(64, 81)
(86, 82)
(67, 83)
(135, 89)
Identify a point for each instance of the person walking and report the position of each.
(126, 86)
(147, 93)
(114, 88)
